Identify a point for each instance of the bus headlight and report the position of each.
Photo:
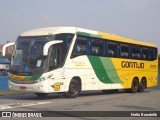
(44, 78)
(41, 79)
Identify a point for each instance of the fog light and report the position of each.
(40, 87)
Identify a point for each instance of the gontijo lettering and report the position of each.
(129, 64)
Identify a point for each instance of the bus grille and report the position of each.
(23, 81)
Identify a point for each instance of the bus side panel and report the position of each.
(57, 81)
(127, 69)
(96, 73)
(105, 72)
(80, 67)
(100, 73)
(153, 74)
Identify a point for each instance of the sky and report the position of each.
(135, 19)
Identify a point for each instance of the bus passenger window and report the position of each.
(152, 54)
(145, 53)
(97, 47)
(124, 50)
(80, 47)
(136, 52)
(112, 49)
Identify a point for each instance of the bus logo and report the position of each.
(57, 86)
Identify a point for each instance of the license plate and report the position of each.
(23, 88)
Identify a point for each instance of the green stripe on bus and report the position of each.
(88, 34)
(99, 69)
(104, 69)
(34, 77)
(110, 70)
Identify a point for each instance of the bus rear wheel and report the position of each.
(134, 87)
(41, 94)
(74, 89)
(142, 85)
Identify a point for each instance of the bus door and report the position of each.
(55, 57)
(55, 62)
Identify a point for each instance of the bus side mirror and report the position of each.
(49, 44)
(5, 47)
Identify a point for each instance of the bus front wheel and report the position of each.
(74, 89)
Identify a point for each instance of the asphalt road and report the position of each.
(87, 101)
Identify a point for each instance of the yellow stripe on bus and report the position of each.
(16, 77)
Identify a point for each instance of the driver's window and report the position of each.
(55, 57)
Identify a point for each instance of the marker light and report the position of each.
(44, 78)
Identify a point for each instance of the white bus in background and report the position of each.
(69, 60)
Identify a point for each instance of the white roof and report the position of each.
(55, 30)
(58, 30)
(48, 31)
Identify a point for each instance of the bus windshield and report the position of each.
(28, 59)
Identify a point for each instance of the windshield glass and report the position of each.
(28, 59)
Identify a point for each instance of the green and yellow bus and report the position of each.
(70, 60)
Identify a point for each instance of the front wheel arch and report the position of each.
(74, 88)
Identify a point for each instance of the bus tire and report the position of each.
(74, 89)
(142, 85)
(135, 86)
(41, 94)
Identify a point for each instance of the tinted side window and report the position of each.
(56, 57)
(112, 50)
(136, 52)
(97, 47)
(152, 54)
(81, 47)
(67, 38)
(124, 51)
(155, 53)
(145, 53)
